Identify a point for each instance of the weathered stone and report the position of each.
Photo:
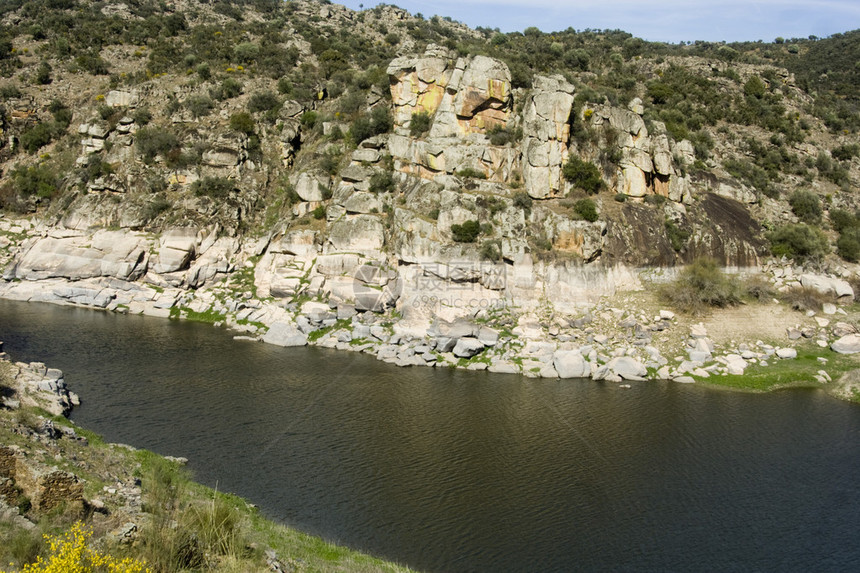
(570, 364)
(827, 285)
(786, 353)
(285, 334)
(628, 368)
(848, 344)
(467, 347)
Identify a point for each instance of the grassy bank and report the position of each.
(800, 372)
(178, 524)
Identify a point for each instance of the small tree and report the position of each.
(586, 209)
(806, 206)
(419, 124)
(467, 232)
(583, 174)
(242, 122)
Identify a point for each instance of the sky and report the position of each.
(659, 21)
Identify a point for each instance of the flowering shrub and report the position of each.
(71, 553)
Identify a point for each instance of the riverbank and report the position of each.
(137, 504)
(621, 333)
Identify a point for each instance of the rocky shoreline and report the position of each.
(600, 342)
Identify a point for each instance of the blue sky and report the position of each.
(665, 20)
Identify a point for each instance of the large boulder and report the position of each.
(285, 334)
(177, 249)
(848, 344)
(570, 364)
(827, 285)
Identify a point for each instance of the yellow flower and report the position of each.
(70, 553)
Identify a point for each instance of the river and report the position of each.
(460, 471)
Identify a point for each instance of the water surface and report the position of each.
(461, 471)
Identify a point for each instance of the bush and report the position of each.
(38, 136)
(376, 123)
(677, 236)
(382, 182)
(242, 122)
(72, 552)
(759, 288)
(586, 209)
(845, 152)
(798, 241)
(848, 245)
(501, 136)
(805, 298)
(840, 220)
(142, 116)
(215, 187)
(35, 181)
(43, 74)
(419, 124)
(806, 206)
(319, 212)
(583, 174)
(151, 141)
(467, 232)
(491, 250)
(228, 89)
(523, 200)
(263, 101)
(471, 172)
(701, 285)
(199, 105)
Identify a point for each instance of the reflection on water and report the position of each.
(462, 471)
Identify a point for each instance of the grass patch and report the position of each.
(799, 372)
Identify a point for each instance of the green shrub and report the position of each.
(493, 204)
(214, 187)
(620, 197)
(491, 250)
(228, 89)
(376, 123)
(319, 212)
(677, 236)
(263, 101)
(246, 52)
(142, 116)
(806, 206)
(43, 74)
(699, 286)
(848, 245)
(587, 209)
(840, 220)
(152, 141)
(199, 105)
(523, 200)
(242, 122)
(419, 124)
(583, 174)
(203, 71)
(845, 152)
(798, 241)
(35, 181)
(471, 172)
(500, 135)
(9, 91)
(382, 182)
(38, 136)
(467, 232)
